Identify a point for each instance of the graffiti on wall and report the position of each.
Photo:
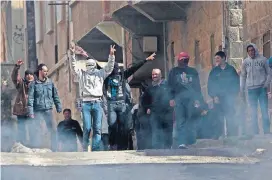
(18, 35)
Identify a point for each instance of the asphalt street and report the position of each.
(140, 172)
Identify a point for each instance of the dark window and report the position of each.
(212, 49)
(267, 45)
(172, 54)
(56, 54)
(197, 55)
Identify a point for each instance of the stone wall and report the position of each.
(234, 29)
(257, 22)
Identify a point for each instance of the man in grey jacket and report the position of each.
(255, 77)
(91, 84)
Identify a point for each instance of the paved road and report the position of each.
(140, 172)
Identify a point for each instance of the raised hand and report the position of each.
(81, 51)
(112, 50)
(20, 62)
(151, 57)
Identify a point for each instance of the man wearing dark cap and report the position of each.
(185, 97)
(223, 88)
(20, 106)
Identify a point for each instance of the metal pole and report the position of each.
(124, 48)
(165, 50)
(68, 44)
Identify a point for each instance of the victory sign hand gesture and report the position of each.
(112, 50)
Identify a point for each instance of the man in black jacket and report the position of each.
(187, 100)
(68, 131)
(223, 88)
(156, 100)
(115, 86)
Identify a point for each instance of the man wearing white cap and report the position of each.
(91, 84)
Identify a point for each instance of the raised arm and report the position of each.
(16, 79)
(77, 66)
(106, 71)
(128, 72)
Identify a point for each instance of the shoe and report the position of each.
(183, 146)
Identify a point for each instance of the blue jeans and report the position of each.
(185, 129)
(255, 95)
(22, 122)
(51, 124)
(92, 118)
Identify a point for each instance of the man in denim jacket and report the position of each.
(42, 95)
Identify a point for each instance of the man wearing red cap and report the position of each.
(186, 98)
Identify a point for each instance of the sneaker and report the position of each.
(183, 146)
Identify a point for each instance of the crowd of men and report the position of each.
(171, 113)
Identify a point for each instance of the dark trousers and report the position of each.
(118, 121)
(143, 132)
(255, 96)
(162, 128)
(226, 108)
(105, 142)
(211, 125)
(51, 125)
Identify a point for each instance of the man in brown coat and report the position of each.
(20, 106)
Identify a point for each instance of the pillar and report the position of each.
(31, 36)
(235, 33)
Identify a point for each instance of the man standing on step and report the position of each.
(91, 84)
(115, 86)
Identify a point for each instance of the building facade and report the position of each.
(140, 27)
(200, 28)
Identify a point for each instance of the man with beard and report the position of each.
(186, 97)
(115, 86)
(91, 84)
(42, 95)
(20, 106)
(156, 100)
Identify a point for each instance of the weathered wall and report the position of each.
(46, 54)
(257, 22)
(85, 16)
(204, 19)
